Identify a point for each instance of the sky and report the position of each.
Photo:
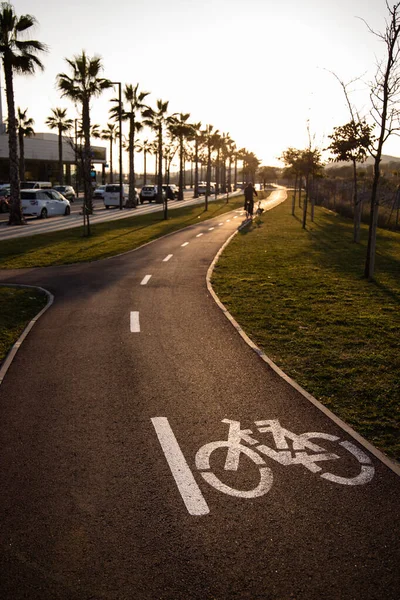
(259, 70)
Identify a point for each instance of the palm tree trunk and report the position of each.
(87, 160)
(60, 157)
(160, 173)
(15, 217)
(132, 182)
(181, 166)
(111, 161)
(21, 155)
(196, 169)
(145, 173)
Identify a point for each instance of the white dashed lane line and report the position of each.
(185, 244)
(145, 280)
(219, 224)
(211, 228)
(199, 234)
(166, 259)
(135, 325)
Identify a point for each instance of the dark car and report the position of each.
(4, 199)
(67, 191)
(171, 190)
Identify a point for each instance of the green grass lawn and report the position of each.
(18, 307)
(301, 296)
(107, 239)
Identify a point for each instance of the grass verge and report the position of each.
(301, 296)
(107, 239)
(18, 307)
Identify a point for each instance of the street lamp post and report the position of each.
(118, 83)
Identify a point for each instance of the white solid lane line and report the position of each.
(185, 244)
(135, 325)
(145, 280)
(187, 486)
(199, 234)
(166, 259)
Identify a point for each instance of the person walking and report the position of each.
(249, 193)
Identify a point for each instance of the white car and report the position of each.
(99, 192)
(111, 195)
(44, 203)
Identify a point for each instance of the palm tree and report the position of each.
(145, 147)
(25, 129)
(197, 136)
(84, 84)
(58, 120)
(134, 99)
(181, 129)
(110, 134)
(19, 56)
(158, 120)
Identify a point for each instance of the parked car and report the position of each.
(99, 192)
(35, 185)
(202, 188)
(67, 191)
(112, 193)
(171, 190)
(150, 193)
(44, 203)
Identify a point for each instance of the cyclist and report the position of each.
(249, 193)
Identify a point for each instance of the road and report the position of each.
(100, 214)
(149, 453)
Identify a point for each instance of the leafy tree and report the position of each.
(292, 159)
(58, 120)
(266, 174)
(350, 142)
(135, 104)
(25, 129)
(385, 111)
(81, 87)
(18, 56)
(111, 134)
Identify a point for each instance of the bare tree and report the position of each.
(385, 95)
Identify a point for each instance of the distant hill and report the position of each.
(370, 161)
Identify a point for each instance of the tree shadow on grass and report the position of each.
(334, 248)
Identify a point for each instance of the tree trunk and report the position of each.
(87, 161)
(208, 177)
(132, 176)
(294, 195)
(21, 155)
(305, 205)
(373, 222)
(145, 173)
(181, 167)
(160, 173)
(16, 217)
(111, 161)
(60, 157)
(196, 170)
(357, 206)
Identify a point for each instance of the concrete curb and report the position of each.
(14, 349)
(394, 466)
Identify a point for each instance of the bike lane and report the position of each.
(124, 529)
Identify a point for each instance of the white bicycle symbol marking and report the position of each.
(304, 451)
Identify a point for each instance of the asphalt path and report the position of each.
(117, 478)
